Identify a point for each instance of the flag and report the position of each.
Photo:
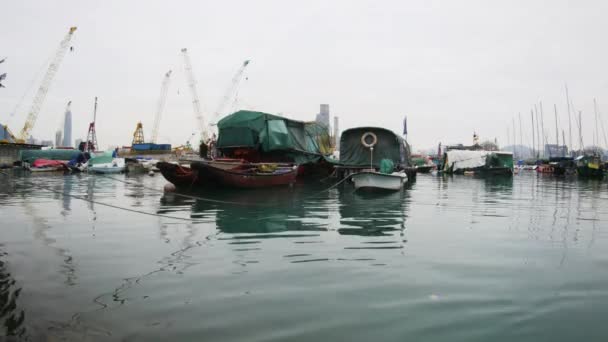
(405, 125)
(2, 77)
(2, 60)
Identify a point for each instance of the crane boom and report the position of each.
(230, 91)
(161, 105)
(46, 83)
(198, 113)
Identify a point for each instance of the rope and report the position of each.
(189, 196)
(102, 203)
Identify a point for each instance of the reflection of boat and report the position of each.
(371, 179)
(247, 175)
(589, 166)
(424, 168)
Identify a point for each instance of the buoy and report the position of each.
(151, 173)
(169, 187)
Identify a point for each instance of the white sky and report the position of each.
(453, 67)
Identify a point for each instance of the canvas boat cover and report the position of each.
(305, 142)
(30, 156)
(388, 146)
(466, 160)
(48, 163)
(463, 159)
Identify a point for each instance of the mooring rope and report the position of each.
(190, 196)
(105, 204)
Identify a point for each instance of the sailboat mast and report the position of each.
(597, 131)
(533, 134)
(542, 127)
(556, 128)
(537, 132)
(565, 148)
(521, 139)
(580, 130)
(514, 140)
(569, 118)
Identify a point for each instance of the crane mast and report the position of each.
(198, 113)
(236, 80)
(161, 105)
(44, 87)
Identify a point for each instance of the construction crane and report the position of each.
(229, 94)
(198, 113)
(46, 84)
(91, 142)
(161, 105)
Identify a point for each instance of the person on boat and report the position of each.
(203, 149)
(115, 153)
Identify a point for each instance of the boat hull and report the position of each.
(372, 180)
(245, 178)
(181, 176)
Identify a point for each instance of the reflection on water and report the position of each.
(457, 258)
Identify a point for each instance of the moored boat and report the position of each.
(247, 175)
(374, 158)
(179, 175)
(478, 162)
(589, 166)
(117, 165)
(374, 180)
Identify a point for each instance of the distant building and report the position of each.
(323, 116)
(58, 140)
(553, 150)
(46, 142)
(67, 129)
(31, 140)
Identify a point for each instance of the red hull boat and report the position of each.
(177, 174)
(247, 175)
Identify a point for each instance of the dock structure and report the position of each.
(9, 152)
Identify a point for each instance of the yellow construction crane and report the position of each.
(44, 86)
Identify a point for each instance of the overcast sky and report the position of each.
(453, 67)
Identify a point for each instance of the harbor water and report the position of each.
(97, 258)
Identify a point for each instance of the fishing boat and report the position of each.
(257, 137)
(179, 175)
(374, 158)
(589, 166)
(248, 175)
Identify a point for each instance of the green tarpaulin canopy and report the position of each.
(30, 156)
(388, 146)
(268, 133)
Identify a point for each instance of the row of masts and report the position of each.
(541, 147)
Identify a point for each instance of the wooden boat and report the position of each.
(373, 180)
(477, 162)
(247, 175)
(179, 175)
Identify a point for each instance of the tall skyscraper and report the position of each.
(323, 116)
(67, 128)
(58, 138)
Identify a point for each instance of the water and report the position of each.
(449, 259)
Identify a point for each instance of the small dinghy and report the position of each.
(117, 165)
(374, 180)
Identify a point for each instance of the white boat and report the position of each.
(116, 166)
(371, 179)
